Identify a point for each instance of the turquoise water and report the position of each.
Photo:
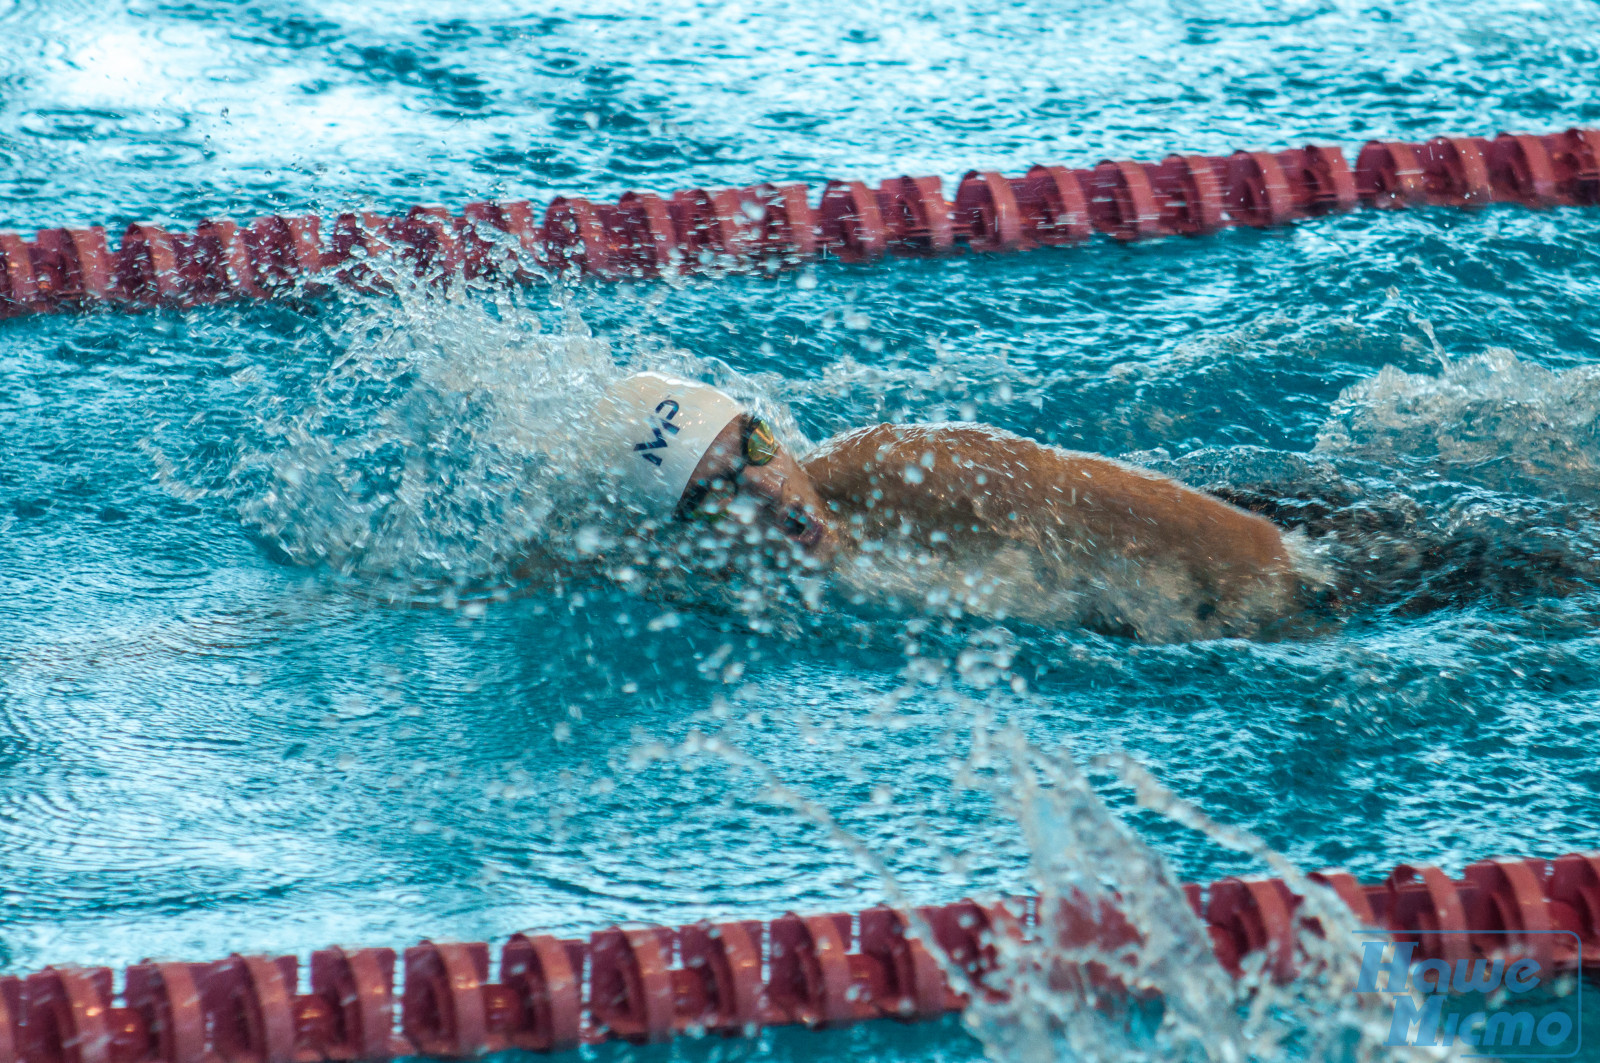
(270, 678)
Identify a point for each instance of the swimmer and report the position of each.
(957, 518)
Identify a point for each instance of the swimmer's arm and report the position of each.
(1025, 489)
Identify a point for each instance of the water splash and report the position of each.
(442, 454)
(1119, 968)
(434, 449)
(1113, 915)
(1492, 419)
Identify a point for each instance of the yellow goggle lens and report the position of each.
(760, 444)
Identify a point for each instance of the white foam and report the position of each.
(1492, 418)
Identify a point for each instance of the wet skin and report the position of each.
(976, 491)
(783, 496)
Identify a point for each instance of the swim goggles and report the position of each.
(758, 445)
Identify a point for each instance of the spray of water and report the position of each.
(442, 453)
(1119, 968)
(1491, 418)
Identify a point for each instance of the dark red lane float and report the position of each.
(1122, 204)
(216, 263)
(768, 226)
(22, 287)
(71, 267)
(784, 226)
(850, 223)
(1521, 171)
(988, 214)
(1258, 192)
(1389, 175)
(1055, 206)
(1455, 172)
(1189, 193)
(1576, 157)
(711, 227)
(1320, 179)
(646, 239)
(147, 268)
(576, 237)
(652, 984)
(511, 224)
(916, 215)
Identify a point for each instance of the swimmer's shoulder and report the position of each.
(1038, 479)
(953, 452)
(853, 453)
(875, 446)
(927, 467)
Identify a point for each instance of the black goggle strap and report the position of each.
(697, 495)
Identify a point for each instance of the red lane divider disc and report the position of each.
(1456, 172)
(908, 983)
(67, 1009)
(916, 215)
(1349, 891)
(811, 978)
(1506, 896)
(442, 1009)
(224, 262)
(1389, 175)
(987, 213)
(1576, 157)
(647, 240)
(516, 220)
(19, 290)
(1256, 914)
(1191, 195)
(1258, 192)
(787, 227)
(1426, 906)
(710, 227)
(727, 959)
(1055, 206)
(575, 237)
(147, 268)
(1122, 204)
(850, 224)
(167, 996)
(1319, 179)
(631, 992)
(10, 1017)
(1521, 171)
(548, 977)
(359, 986)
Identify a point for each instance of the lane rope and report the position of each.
(772, 226)
(651, 984)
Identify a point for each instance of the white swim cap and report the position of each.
(656, 429)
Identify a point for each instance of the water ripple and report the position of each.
(278, 666)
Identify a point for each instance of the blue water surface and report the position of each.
(237, 717)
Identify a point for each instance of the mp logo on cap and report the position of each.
(660, 441)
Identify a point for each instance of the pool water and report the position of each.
(274, 673)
